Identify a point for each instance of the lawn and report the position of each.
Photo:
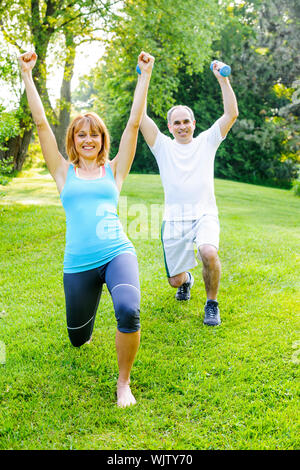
(197, 387)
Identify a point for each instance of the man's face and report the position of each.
(181, 126)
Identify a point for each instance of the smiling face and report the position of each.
(87, 137)
(88, 141)
(181, 125)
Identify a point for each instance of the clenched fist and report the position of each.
(145, 62)
(27, 61)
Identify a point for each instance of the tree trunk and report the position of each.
(17, 146)
(60, 128)
(17, 149)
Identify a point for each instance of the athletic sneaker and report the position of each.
(183, 292)
(212, 313)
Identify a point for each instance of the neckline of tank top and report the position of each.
(101, 174)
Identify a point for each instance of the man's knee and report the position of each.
(208, 254)
(178, 280)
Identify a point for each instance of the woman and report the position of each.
(97, 250)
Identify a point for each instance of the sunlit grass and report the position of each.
(230, 387)
(34, 186)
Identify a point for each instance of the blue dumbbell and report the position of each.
(224, 69)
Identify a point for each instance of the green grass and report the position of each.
(230, 387)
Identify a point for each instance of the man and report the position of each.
(186, 166)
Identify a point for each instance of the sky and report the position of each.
(86, 58)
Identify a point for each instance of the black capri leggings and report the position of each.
(83, 291)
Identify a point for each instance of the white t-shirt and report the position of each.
(187, 174)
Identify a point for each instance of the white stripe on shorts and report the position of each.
(78, 327)
(118, 285)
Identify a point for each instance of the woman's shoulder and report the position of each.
(111, 164)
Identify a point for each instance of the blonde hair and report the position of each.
(169, 114)
(96, 124)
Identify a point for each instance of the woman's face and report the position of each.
(88, 142)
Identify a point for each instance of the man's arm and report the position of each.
(231, 111)
(148, 128)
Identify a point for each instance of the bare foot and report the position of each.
(124, 396)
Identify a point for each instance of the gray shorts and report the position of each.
(179, 237)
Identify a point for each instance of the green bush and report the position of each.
(35, 157)
(296, 187)
(9, 127)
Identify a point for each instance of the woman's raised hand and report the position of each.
(27, 61)
(145, 62)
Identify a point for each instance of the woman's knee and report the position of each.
(127, 309)
(79, 336)
(128, 319)
(77, 340)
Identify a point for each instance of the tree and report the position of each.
(35, 24)
(173, 35)
(271, 61)
(262, 146)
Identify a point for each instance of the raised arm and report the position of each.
(56, 164)
(148, 128)
(229, 101)
(121, 164)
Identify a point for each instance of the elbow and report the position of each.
(233, 116)
(236, 112)
(233, 120)
(134, 122)
(41, 123)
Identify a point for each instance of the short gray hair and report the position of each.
(169, 114)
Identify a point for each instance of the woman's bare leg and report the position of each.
(127, 345)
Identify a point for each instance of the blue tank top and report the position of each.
(94, 234)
